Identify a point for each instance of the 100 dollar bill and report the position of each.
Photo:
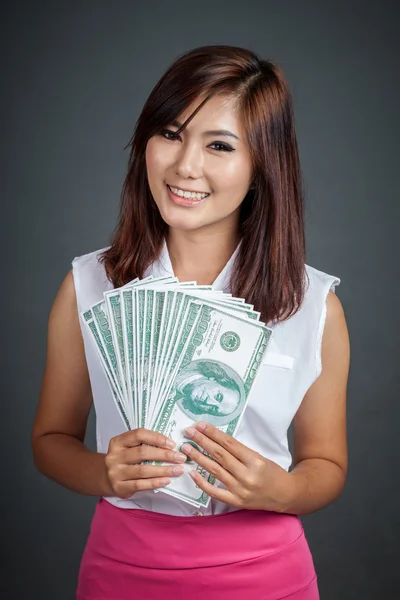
(212, 383)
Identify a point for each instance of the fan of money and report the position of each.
(175, 353)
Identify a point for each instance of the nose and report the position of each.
(190, 161)
(212, 400)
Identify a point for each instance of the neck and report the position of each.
(198, 255)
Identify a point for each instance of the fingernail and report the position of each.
(180, 457)
(170, 443)
(201, 425)
(186, 448)
(192, 474)
(190, 431)
(178, 470)
(165, 481)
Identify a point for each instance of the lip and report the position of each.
(183, 201)
(185, 190)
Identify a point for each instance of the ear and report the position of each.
(253, 186)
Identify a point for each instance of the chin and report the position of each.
(185, 222)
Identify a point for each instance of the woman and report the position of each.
(213, 194)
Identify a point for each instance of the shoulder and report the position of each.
(90, 278)
(317, 285)
(91, 258)
(318, 279)
(323, 311)
(326, 284)
(89, 264)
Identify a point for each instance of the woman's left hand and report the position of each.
(251, 481)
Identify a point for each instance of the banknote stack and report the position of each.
(175, 353)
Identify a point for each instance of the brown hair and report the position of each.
(269, 270)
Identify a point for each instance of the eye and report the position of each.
(223, 147)
(218, 146)
(169, 135)
(219, 397)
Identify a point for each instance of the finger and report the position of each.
(217, 452)
(142, 453)
(212, 490)
(213, 467)
(126, 489)
(139, 436)
(241, 452)
(136, 472)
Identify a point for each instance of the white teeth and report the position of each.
(192, 195)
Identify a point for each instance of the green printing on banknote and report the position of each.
(162, 349)
(92, 326)
(173, 349)
(214, 370)
(173, 308)
(174, 356)
(164, 323)
(188, 322)
(104, 329)
(145, 351)
(248, 382)
(127, 332)
(116, 312)
(140, 308)
(115, 324)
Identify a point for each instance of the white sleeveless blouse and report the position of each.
(291, 365)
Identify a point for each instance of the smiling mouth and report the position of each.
(184, 201)
(195, 195)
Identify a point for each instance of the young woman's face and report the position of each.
(198, 160)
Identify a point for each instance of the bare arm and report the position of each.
(319, 426)
(65, 400)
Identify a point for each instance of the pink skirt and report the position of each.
(137, 554)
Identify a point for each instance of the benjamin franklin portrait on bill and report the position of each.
(210, 390)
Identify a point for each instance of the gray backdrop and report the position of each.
(75, 76)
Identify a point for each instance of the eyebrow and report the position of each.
(212, 132)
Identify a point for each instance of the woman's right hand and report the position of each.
(125, 453)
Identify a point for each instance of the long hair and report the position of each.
(269, 270)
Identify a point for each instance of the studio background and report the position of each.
(75, 77)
